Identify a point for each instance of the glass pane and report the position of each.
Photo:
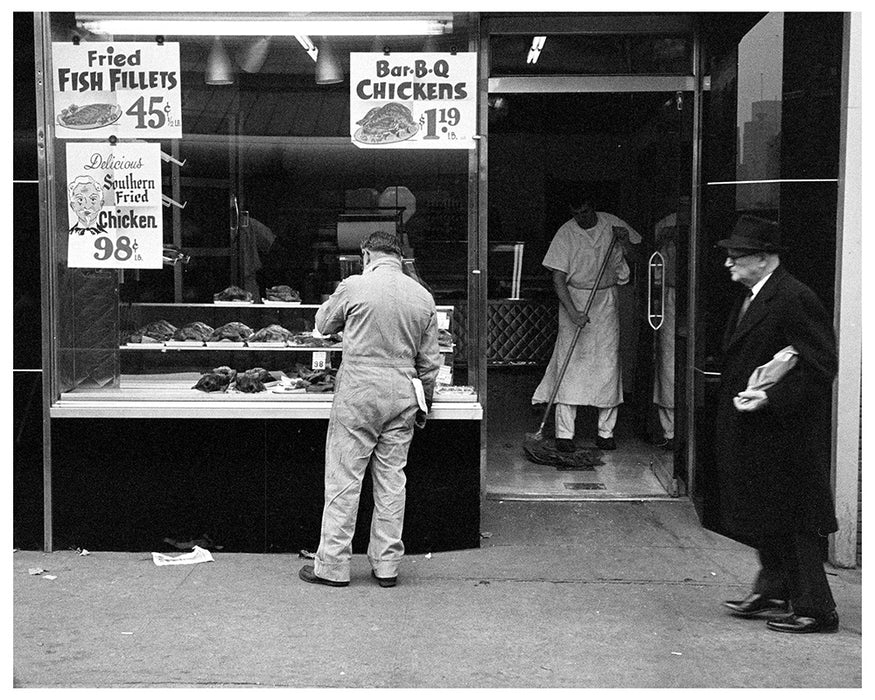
(590, 54)
(265, 182)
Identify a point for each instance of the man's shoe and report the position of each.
(385, 581)
(756, 605)
(606, 443)
(799, 624)
(307, 574)
(565, 445)
(666, 444)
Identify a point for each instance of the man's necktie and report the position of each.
(744, 305)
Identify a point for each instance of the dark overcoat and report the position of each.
(773, 465)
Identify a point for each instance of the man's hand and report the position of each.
(622, 233)
(749, 401)
(419, 419)
(579, 318)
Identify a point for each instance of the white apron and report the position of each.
(593, 376)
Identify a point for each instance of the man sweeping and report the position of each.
(593, 376)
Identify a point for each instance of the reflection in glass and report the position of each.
(760, 68)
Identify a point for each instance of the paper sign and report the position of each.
(413, 100)
(115, 217)
(125, 89)
(320, 359)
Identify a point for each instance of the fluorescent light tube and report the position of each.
(248, 24)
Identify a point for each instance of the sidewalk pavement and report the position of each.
(587, 594)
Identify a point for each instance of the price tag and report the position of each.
(443, 319)
(114, 213)
(445, 374)
(126, 89)
(413, 100)
(320, 360)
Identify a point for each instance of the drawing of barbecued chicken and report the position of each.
(197, 330)
(233, 331)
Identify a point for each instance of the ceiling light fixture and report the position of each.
(328, 69)
(252, 56)
(219, 70)
(265, 23)
(536, 48)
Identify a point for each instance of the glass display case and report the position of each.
(262, 199)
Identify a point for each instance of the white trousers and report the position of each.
(566, 413)
(666, 419)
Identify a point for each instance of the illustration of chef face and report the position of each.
(86, 200)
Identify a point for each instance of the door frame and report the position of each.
(694, 83)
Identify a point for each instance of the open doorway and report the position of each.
(631, 151)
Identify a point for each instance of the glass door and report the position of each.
(633, 151)
(771, 135)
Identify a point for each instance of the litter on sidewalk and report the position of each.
(198, 555)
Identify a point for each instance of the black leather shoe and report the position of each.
(799, 624)
(385, 581)
(307, 574)
(565, 445)
(756, 605)
(606, 443)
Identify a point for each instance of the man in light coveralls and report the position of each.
(389, 325)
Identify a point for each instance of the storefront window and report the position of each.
(265, 196)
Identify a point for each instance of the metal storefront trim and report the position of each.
(594, 83)
(237, 409)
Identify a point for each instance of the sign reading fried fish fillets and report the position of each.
(115, 217)
(122, 89)
(413, 100)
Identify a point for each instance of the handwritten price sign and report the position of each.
(413, 100)
(114, 214)
(125, 89)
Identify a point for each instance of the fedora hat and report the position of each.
(755, 234)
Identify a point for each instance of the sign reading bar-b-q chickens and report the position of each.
(413, 100)
(115, 205)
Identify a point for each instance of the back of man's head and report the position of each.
(382, 242)
(579, 197)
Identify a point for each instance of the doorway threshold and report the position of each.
(588, 495)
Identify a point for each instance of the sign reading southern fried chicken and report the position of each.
(125, 89)
(115, 215)
(413, 100)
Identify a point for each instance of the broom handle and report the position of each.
(577, 331)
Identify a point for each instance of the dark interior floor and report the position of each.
(635, 470)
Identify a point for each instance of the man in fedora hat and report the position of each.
(772, 446)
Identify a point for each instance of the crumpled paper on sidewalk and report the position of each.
(198, 555)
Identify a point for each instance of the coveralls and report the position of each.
(593, 376)
(389, 325)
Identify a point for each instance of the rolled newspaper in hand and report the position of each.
(773, 371)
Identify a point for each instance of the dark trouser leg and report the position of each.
(771, 581)
(812, 596)
(792, 567)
